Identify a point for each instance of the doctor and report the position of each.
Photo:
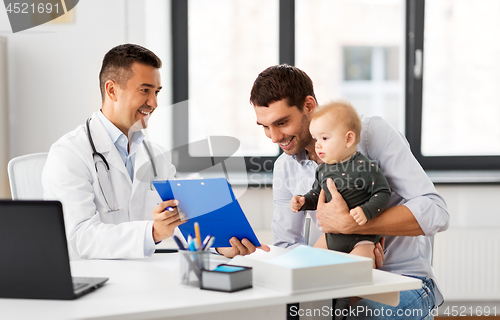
(102, 170)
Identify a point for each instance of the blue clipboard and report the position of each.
(212, 204)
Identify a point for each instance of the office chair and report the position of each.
(311, 232)
(25, 176)
(307, 230)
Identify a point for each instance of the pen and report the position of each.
(179, 243)
(190, 242)
(204, 243)
(195, 245)
(209, 243)
(197, 233)
(192, 245)
(167, 208)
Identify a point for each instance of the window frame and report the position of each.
(180, 89)
(415, 11)
(415, 16)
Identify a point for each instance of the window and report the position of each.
(371, 82)
(370, 52)
(219, 48)
(226, 43)
(453, 84)
(354, 50)
(358, 63)
(229, 42)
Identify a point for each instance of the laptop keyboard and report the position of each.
(78, 285)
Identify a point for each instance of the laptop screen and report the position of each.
(34, 260)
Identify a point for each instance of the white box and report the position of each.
(304, 268)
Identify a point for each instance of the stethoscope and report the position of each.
(102, 169)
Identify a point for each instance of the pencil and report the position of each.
(197, 233)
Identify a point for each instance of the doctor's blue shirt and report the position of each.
(121, 142)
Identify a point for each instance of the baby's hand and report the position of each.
(296, 203)
(358, 215)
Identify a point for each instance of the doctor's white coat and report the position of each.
(93, 231)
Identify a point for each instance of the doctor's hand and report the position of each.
(334, 216)
(240, 248)
(165, 221)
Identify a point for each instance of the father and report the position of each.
(283, 99)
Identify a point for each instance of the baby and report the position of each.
(336, 129)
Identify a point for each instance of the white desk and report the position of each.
(151, 289)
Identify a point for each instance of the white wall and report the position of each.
(472, 206)
(4, 124)
(53, 74)
(54, 68)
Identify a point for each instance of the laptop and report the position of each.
(34, 261)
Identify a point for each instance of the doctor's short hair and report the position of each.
(282, 82)
(343, 113)
(117, 64)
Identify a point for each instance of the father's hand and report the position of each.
(379, 253)
(334, 217)
(241, 248)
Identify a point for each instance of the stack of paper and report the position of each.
(306, 269)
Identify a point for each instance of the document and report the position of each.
(305, 268)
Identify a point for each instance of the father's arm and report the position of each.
(333, 217)
(421, 210)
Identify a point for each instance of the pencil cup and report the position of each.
(191, 264)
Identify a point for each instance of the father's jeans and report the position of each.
(413, 304)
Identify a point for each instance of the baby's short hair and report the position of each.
(343, 113)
